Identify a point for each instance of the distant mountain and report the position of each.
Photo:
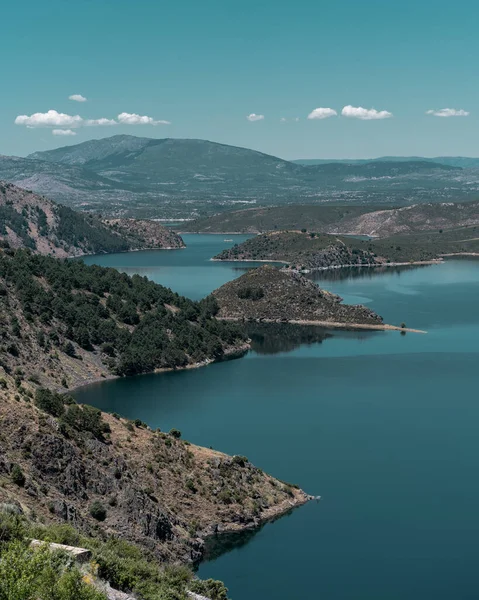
(28, 220)
(463, 162)
(177, 178)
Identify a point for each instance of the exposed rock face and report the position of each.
(33, 221)
(270, 294)
(157, 490)
(150, 234)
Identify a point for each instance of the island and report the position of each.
(272, 295)
(309, 251)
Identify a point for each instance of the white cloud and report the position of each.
(448, 112)
(77, 98)
(283, 120)
(134, 119)
(296, 119)
(52, 118)
(100, 122)
(63, 132)
(253, 117)
(322, 113)
(365, 114)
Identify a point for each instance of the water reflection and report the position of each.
(272, 338)
(222, 543)
(346, 273)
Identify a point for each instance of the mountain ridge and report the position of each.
(127, 176)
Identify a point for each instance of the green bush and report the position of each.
(250, 293)
(49, 402)
(210, 588)
(27, 573)
(98, 511)
(176, 433)
(17, 476)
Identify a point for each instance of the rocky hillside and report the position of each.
(271, 294)
(32, 221)
(108, 476)
(410, 219)
(148, 234)
(63, 323)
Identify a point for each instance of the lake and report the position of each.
(383, 426)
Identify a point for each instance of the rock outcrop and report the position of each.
(150, 488)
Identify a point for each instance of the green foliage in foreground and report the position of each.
(38, 574)
(27, 574)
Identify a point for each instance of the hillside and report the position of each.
(304, 250)
(126, 176)
(313, 217)
(108, 476)
(144, 233)
(353, 220)
(32, 221)
(271, 294)
(64, 323)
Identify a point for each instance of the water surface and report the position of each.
(383, 426)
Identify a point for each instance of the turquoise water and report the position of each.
(383, 426)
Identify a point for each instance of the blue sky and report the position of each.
(205, 65)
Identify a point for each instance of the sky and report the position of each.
(376, 75)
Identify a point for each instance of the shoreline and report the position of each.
(432, 261)
(230, 354)
(328, 324)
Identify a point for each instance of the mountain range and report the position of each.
(182, 178)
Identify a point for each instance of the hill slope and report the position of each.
(270, 294)
(65, 323)
(33, 221)
(147, 487)
(353, 220)
(325, 251)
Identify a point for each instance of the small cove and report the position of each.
(382, 426)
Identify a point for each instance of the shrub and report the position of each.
(98, 511)
(240, 460)
(215, 590)
(17, 476)
(69, 349)
(41, 574)
(190, 484)
(49, 402)
(250, 293)
(176, 433)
